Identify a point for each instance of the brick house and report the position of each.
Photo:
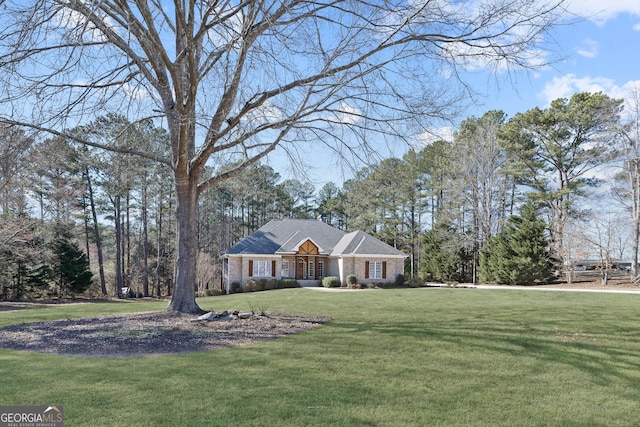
(308, 250)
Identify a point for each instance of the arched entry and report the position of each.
(307, 261)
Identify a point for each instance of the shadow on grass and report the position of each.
(605, 359)
(27, 305)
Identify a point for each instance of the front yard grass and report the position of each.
(411, 357)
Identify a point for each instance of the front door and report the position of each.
(301, 268)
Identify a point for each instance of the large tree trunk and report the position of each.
(96, 232)
(184, 296)
(159, 244)
(118, 231)
(145, 241)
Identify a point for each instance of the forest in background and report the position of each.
(68, 208)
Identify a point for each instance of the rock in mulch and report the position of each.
(223, 316)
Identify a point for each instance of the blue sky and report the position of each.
(599, 51)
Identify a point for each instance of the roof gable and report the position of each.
(308, 247)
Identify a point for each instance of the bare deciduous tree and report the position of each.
(631, 156)
(14, 149)
(234, 80)
(483, 184)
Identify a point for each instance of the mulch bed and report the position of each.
(147, 334)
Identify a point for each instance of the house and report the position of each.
(308, 250)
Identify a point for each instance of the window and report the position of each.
(262, 268)
(311, 273)
(375, 270)
(320, 269)
(285, 268)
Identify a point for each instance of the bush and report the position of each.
(351, 280)
(270, 284)
(235, 288)
(287, 283)
(371, 285)
(331, 282)
(399, 280)
(386, 285)
(213, 292)
(262, 284)
(251, 285)
(416, 282)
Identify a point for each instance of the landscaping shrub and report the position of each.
(262, 284)
(386, 285)
(213, 292)
(352, 280)
(251, 285)
(416, 282)
(235, 288)
(270, 284)
(331, 282)
(287, 283)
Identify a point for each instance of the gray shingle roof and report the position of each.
(361, 243)
(285, 235)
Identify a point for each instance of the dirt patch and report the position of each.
(147, 334)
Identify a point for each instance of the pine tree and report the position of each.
(71, 266)
(519, 254)
(445, 256)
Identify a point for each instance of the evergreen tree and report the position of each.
(519, 254)
(71, 265)
(445, 256)
(555, 151)
(24, 269)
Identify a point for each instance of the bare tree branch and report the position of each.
(233, 81)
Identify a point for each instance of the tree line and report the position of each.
(77, 218)
(234, 82)
(459, 206)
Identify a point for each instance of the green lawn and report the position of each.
(413, 357)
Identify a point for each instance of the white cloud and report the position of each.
(430, 136)
(266, 113)
(347, 114)
(566, 86)
(80, 29)
(600, 11)
(136, 92)
(636, 27)
(589, 49)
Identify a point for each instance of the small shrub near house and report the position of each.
(352, 280)
(287, 283)
(235, 288)
(251, 285)
(262, 284)
(269, 284)
(331, 282)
